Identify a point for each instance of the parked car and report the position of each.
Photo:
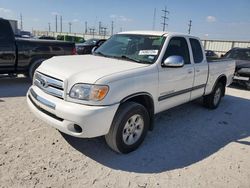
(211, 55)
(242, 71)
(19, 55)
(117, 90)
(88, 45)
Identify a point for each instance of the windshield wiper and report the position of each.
(132, 59)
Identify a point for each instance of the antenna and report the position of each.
(189, 26)
(165, 18)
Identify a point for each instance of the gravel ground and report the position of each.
(189, 147)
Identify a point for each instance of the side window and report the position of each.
(197, 50)
(178, 46)
(6, 34)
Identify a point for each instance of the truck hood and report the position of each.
(85, 68)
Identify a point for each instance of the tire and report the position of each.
(129, 128)
(212, 100)
(34, 66)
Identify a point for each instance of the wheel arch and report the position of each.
(221, 79)
(144, 99)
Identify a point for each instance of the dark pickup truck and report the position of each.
(19, 55)
(242, 70)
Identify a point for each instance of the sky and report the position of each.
(213, 19)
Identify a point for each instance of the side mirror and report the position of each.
(174, 61)
(93, 49)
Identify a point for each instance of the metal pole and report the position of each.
(70, 24)
(154, 19)
(189, 26)
(112, 27)
(165, 12)
(61, 24)
(49, 27)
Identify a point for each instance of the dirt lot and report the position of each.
(189, 147)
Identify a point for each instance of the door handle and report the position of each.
(190, 71)
(198, 70)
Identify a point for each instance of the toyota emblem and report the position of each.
(44, 83)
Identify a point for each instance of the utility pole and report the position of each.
(104, 31)
(112, 27)
(61, 24)
(100, 27)
(189, 26)
(165, 18)
(154, 19)
(56, 23)
(86, 27)
(21, 22)
(92, 31)
(49, 26)
(70, 24)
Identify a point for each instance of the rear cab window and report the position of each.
(196, 50)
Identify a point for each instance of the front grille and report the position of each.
(45, 111)
(49, 85)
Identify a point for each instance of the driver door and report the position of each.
(175, 84)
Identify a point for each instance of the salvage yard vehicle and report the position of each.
(118, 89)
(19, 55)
(88, 45)
(242, 59)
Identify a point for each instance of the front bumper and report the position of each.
(62, 115)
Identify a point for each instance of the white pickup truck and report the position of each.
(118, 89)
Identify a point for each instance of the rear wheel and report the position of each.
(129, 128)
(212, 100)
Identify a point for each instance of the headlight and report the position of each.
(88, 92)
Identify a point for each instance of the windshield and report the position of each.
(137, 48)
(239, 54)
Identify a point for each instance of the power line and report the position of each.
(189, 26)
(165, 18)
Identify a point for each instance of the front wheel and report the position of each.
(129, 128)
(212, 100)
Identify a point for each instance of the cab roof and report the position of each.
(154, 33)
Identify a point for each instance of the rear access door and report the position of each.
(7, 48)
(200, 69)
